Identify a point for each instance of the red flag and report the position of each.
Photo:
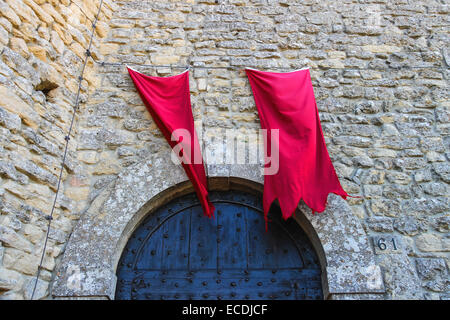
(168, 101)
(286, 101)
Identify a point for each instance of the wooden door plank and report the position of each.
(232, 236)
(203, 241)
(175, 254)
(150, 255)
(260, 243)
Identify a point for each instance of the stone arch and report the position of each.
(87, 268)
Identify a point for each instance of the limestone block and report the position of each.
(106, 168)
(57, 43)
(137, 125)
(13, 239)
(9, 14)
(39, 52)
(435, 188)
(20, 261)
(77, 193)
(20, 191)
(19, 45)
(65, 35)
(109, 48)
(442, 224)
(396, 192)
(433, 273)
(48, 8)
(409, 225)
(11, 295)
(429, 242)
(10, 120)
(32, 233)
(112, 108)
(39, 11)
(44, 144)
(400, 277)
(41, 289)
(370, 191)
(60, 236)
(44, 32)
(331, 63)
(386, 207)
(11, 221)
(31, 169)
(201, 84)
(8, 170)
(381, 48)
(4, 36)
(6, 24)
(78, 50)
(9, 279)
(443, 170)
(24, 11)
(398, 177)
(165, 60)
(89, 157)
(11, 102)
(102, 29)
(427, 206)
(433, 156)
(374, 177)
(380, 224)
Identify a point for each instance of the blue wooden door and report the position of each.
(177, 253)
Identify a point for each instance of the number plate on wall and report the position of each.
(386, 244)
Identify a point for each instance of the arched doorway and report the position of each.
(177, 253)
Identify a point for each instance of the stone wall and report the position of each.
(42, 49)
(380, 76)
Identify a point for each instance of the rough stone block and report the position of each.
(380, 224)
(39, 11)
(12, 103)
(41, 289)
(9, 279)
(428, 206)
(34, 171)
(10, 120)
(12, 239)
(386, 207)
(429, 242)
(20, 261)
(10, 15)
(112, 108)
(433, 273)
(19, 46)
(409, 225)
(400, 277)
(8, 170)
(442, 224)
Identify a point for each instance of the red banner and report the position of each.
(168, 101)
(285, 101)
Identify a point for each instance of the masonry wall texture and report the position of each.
(380, 76)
